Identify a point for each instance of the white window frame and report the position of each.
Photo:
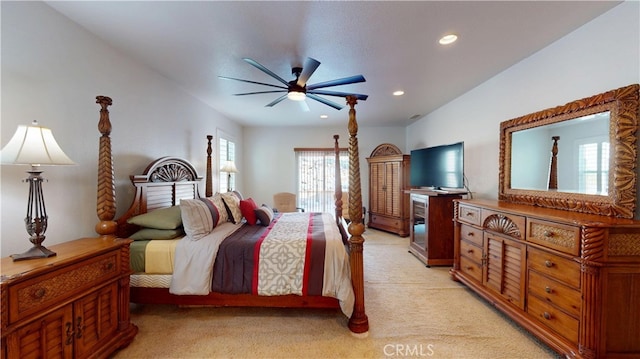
(230, 154)
(602, 165)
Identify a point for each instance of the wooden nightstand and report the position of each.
(73, 305)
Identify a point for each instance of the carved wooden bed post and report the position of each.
(338, 181)
(553, 169)
(358, 323)
(106, 201)
(208, 192)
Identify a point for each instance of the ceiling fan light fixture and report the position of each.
(296, 96)
(448, 39)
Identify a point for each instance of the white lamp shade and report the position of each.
(33, 145)
(229, 167)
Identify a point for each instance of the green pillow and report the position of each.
(152, 233)
(163, 218)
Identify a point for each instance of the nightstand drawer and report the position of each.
(556, 267)
(553, 318)
(471, 234)
(34, 295)
(554, 292)
(555, 236)
(469, 214)
(471, 251)
(471, 268)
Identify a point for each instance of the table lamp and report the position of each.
(34, 146)
(229, 167)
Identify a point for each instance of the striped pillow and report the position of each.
(199, 217)
(264, 214)
(222, 209)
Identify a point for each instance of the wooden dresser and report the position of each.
(72, 305)
(388, 183)
(571, 279)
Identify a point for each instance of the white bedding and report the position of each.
(193, 266)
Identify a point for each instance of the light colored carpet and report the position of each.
(413, 311)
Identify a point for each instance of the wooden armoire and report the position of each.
(388, 186)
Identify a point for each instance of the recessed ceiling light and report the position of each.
(448, 39)
(324, 116)
(398, 93)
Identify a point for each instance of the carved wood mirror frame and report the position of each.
(623, 126)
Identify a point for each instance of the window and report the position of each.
(226, 156)
(593, 166)
(316, 178)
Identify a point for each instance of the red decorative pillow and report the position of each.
(247, 207)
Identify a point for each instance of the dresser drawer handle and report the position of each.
(548, 234)
(469, 214)
(70, 333)
(548, 289)
(469, 251)
(470, 234)
(468, 267)
(79, 327)
(546, 315)
(40, 293)
(108, 266)
(548, 263)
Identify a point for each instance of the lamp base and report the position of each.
(33, 253)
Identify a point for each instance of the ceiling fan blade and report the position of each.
(251, 82)
(338, 82)
(325, 101)
(304, 106)
(276, 101)
(339, 94)
(265, 70)
(308, 69)
(256, 93)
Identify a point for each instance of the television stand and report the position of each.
(431, 226)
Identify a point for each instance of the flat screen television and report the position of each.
(438, 167)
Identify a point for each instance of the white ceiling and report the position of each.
(393, 44)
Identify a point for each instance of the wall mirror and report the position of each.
(581, 156)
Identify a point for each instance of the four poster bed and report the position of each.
(328, 274)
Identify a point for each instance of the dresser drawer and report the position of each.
(471, 234)
(34, 295)
(471, 251)
(554, 235)
(553, 318)
(554, 292)
(469, 214)
(554, 266)
(471, 268)
(385, 221)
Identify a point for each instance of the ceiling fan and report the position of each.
(298, 90)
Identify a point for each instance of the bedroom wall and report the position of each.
(52, 70)
(602, 55)
(265, 175)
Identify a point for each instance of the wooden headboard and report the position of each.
(163, 184)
